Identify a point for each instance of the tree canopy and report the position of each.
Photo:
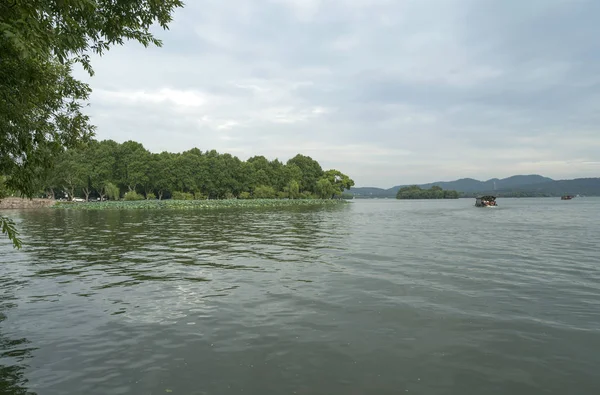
(97, 168)
(40, 101)
(435, 192)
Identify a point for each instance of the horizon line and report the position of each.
(471, 178)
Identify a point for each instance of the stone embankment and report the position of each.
(20, 203)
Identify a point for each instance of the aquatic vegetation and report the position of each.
(195, 204)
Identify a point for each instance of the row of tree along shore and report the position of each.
(435, 192)
(109, 170)
(41, 100)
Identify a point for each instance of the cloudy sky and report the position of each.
(388, 91)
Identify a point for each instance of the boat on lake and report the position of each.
(486, 201)
(567, 197)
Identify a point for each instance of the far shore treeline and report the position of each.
(109, 170)
(435, 192)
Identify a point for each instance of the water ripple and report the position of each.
(374, 297)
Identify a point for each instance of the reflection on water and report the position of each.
(14, 352)
(368, 298)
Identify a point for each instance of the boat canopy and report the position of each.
(486, 197)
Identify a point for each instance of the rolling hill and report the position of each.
(578, 186)
(519, 185)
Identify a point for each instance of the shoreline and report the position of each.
(17, 203)
(195, 204)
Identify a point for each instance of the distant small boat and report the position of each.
(567, 197)
(488, 201)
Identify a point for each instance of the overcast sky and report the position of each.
(389, 92)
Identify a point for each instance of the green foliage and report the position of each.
(69, 171)
(435, 192)
(40, 113)
(40, 101)
(133, 195)
(293, 189)
(162, 173)
(451, 195)
(310, 171)
(4, 190)
(199, 196)
(325, 189)
(112, 191)
(338, 180)
(150, 196)
(134, 163)
(196, 204)
(40, 107)
(9, 229)
(264, 192)
(178, 195)
(102, 166)
(72, 29)
(306, 195)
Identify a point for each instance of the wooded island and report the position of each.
(435, 192)
(107, 169)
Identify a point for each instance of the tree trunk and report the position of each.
(50, 193)
(87, 192)
(160, 193)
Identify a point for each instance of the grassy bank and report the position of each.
(194, 204)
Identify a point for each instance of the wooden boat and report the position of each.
(567, 197)
(486, 201)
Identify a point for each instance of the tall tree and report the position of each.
(40, 101)
(98, 166)
(293, 189)
(311, 171)
(324, 189)
(185, 166)
(292, 173)
(70, 171)
(278, 178)
(338, 180)
(102, 162)
(40, 113)
(134, 166)
(164, 173)
(52, 184)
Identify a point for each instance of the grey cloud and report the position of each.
(388, 91)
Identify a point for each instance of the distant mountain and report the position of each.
(471, 185)
(521, 185)
(578, 186)
(369, 191)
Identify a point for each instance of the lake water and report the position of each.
(373, 297)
